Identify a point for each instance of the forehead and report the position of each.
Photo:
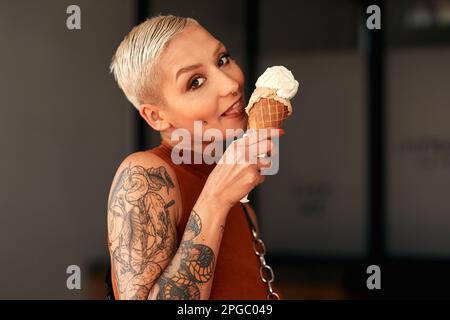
(186, 48)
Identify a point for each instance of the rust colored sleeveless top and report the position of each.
(237, 274)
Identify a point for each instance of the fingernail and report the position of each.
(281, 132)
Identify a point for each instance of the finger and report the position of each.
(256, 144)
(274, 151)
(250, 137)
(271, 132)
(255, 136)
(261, 179)
(281, 132)
(264, 163)
(262, 149)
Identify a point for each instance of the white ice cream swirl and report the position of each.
(280, 79)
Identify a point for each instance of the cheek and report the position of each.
(203, 107)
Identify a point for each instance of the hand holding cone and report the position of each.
(269, 103)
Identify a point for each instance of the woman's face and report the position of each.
(201, 82)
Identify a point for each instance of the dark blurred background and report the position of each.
(364, 167)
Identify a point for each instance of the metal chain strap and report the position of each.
(265, 271)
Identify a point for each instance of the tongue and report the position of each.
(231, 111)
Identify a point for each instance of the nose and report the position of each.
(227, 84)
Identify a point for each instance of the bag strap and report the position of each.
(265, 271)
(249, 219)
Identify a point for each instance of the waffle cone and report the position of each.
(267, 113)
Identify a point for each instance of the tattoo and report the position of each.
(182, 278)
(142, 236)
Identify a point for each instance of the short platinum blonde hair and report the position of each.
(134, 65)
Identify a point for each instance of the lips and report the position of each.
(236, 109)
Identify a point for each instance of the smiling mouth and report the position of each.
(236, 109)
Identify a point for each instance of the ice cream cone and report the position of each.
(267, 113)
(270, 104)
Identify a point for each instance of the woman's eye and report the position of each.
(196, 82)
(224, 59)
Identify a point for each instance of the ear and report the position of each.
(153, 115)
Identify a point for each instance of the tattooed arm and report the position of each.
(190, 273)
(143, 211)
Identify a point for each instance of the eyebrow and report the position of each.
(195, 66)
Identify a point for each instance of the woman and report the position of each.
(167, 221)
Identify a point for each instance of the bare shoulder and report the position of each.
(157, 174)
(142, 219)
